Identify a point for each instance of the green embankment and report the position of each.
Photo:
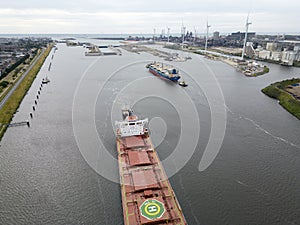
(277, 91)
(15, 75)
(266, 70)
(296, 63)
(13, 103)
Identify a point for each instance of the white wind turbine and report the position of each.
(183, 32)
(195, 35)
(207, 30)
(168, 34)
(246, 34)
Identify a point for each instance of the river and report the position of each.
(50, 172)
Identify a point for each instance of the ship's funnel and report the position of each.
(125, 113)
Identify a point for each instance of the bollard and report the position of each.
(33, 108)
(28, 124)
(37, 97)
(31, 116)
(39, 92)
(35, 102)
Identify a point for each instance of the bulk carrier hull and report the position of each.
(166, 73)
(147, 196)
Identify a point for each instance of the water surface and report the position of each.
(254, 179)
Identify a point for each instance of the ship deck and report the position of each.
(147, 195)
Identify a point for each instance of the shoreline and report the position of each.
(15, 75)
(247, 68)
(13, 102)
(288, 101)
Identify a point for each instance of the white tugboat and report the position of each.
(45, 80)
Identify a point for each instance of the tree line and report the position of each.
(14, 66)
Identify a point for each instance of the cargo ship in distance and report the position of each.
(147, 196)
(166, 72)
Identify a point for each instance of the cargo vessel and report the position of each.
(147, 196)
(166, 72)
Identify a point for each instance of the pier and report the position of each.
(18, 124)
(105, 50)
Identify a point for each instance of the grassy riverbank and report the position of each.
(16, 74)
(12, 104)
(265, 70)
(277, 91)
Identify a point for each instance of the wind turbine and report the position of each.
(168, 33)
(246, 34)
(207, 30)
(195, 36)
(162, 33)
(183, 32)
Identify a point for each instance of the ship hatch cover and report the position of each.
(138, 158)
(144, 179)
(134, 141)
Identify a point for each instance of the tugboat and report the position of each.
(45, 80)
(182, 83)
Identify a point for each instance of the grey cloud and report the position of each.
(157, 5)
(142, 16)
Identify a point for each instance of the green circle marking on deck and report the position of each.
(152, 209)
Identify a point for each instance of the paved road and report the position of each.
(16, 85)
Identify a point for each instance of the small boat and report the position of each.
(182, 83)
(45, 80)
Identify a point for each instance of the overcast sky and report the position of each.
(140, 16)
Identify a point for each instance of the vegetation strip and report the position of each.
(13, 103)
(288, 101)
(16, 75)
